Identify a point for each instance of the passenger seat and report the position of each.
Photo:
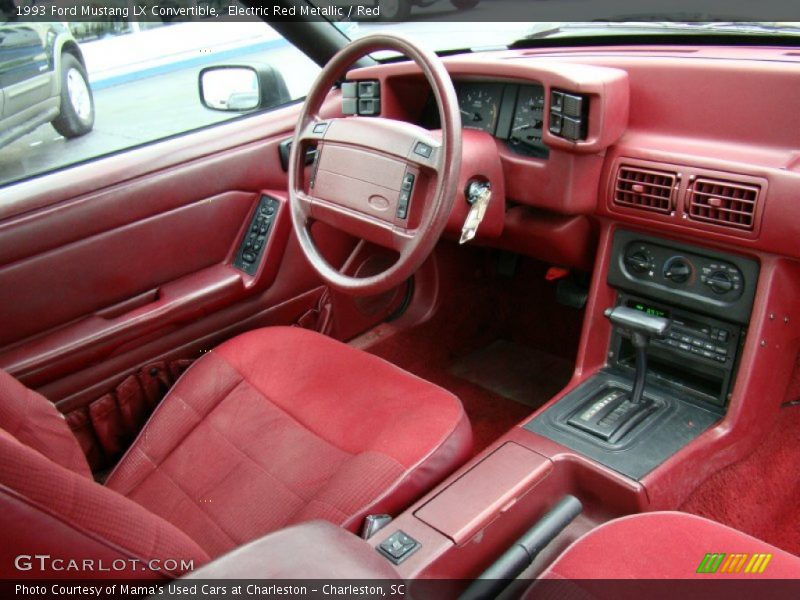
(670, 545)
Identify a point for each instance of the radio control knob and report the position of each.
(638, 262)
(720, 282)
(678, 270)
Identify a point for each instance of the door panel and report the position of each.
(107, 268)
(109, 265)
(128, 284)
(103, 259)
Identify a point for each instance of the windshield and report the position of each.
(465, 35)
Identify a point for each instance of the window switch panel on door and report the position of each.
(248, 257)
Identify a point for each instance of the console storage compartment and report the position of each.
(485, 492)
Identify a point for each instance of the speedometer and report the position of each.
(526, 129)
(479, 104)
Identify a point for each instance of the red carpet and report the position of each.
(515, 371)
(761, 494)
(477, 309)
(491, 415)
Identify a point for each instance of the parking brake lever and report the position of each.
(640, 328)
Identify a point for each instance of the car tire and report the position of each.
(395, 10)
(464, 4)
(77, 103)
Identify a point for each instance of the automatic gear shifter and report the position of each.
(615, 412)
(640, 328)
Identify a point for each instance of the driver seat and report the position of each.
(274, 427)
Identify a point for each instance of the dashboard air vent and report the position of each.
(723, 203)
(646, 189)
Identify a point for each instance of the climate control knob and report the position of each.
(678, 270)
(720, 282)
(639, 262)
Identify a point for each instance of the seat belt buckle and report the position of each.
(373, 524)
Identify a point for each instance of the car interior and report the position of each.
(524, 314)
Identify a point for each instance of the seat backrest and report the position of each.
(35, 422)
(50, 505)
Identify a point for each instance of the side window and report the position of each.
(74, 91)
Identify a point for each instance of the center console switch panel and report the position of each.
(707, 281)
(398, 547)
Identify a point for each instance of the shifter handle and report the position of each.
(641, 328)
(638, 324)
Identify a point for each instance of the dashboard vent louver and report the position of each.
(723, 203)
(646, 189)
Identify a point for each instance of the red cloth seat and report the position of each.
(666, 545)
(275, 427)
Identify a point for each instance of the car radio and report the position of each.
(698, 356)
(709, 341)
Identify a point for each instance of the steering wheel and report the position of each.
(385, 181)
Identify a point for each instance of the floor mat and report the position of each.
(520, 373)
(759, 495)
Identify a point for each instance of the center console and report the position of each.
(679, 323)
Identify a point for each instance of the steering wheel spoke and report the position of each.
(402, 240)
(304, 204)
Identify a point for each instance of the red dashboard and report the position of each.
(668, 131)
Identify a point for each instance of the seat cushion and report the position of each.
(282, 425)
(669, 545)
(49, 510)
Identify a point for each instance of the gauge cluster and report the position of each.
(509, 111)
(480, 105)
(526, 128)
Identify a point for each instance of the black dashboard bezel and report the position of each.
(735, 310)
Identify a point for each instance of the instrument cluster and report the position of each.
(508, 111)
(480, 105)
(526, 128)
